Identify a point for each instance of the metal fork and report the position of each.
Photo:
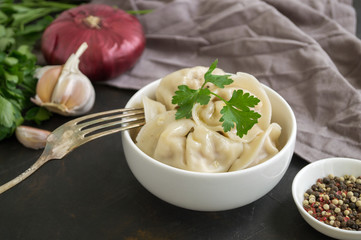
(81, 130)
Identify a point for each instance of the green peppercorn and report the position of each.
(349, 194)
(326, 197)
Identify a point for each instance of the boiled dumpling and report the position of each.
(152, 108)
(260, 149)
(209, 151)
(199, 143)
(172, 143)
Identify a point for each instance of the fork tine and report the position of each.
(111, 131)
(111, 124)
(133, 118)
(125, 113)
(94, 115)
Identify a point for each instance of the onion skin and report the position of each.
(115, 43)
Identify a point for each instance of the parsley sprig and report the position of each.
(236, 112)
(21, 26)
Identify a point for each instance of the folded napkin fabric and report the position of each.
(305, 50)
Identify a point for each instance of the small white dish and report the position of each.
(213, 191)
(308, 176)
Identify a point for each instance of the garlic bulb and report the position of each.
(31, 137)
(64, 89)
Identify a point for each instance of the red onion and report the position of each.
(115, 39)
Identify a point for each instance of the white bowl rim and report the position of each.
(299, 205)
(222, 174)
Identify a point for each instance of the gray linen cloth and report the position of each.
(305, 50)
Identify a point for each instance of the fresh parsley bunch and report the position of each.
(17, 86)
(236, 112)
(21, 25)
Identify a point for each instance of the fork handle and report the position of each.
(41, 160)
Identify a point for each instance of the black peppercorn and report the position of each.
(326, 180)
(343, 224)
(350, 223)
(309, 191)
(343, 207)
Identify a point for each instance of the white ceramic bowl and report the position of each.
(213, 191)
(308, 176)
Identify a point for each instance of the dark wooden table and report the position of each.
(91, 194)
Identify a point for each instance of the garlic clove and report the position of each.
(69, 93)
(48, 77)
(83, 97)
(31, 137)
(75, 96)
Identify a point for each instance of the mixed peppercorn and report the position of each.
(336, 201)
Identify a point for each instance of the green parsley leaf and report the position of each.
(10, 118)
(7, 116)
(244, 120)
(3, 17)
(37, 114)
(204, 96)
(218, 80)
(139, 12)
(243, 101)
(237, 111)
(185, 97)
